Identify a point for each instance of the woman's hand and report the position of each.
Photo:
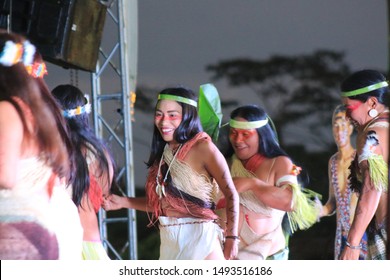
(350, 254)
(230, 249)
(319, 207)
(112, 202)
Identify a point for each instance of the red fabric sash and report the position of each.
(95, 193)
(184, 207)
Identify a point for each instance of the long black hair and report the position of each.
(83, 139)
(188, 128)
(356, 80)
(268, 141)
(364, 78)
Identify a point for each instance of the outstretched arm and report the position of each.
(116, 202)
(329, 207)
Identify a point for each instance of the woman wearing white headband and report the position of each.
(258, 164)
(365, 95)
(184, 165)
(32, 156)
(93, 175)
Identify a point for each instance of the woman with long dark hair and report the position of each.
(365, 95)
(184, 167)
(93, 165)
(267, 182)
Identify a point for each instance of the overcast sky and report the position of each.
(178, 38)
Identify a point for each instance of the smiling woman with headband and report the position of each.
(184, 167)
(267, 182)
(365, 96)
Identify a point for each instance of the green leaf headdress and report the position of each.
(209, 110)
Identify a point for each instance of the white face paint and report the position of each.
(342, 129)
(342, 137)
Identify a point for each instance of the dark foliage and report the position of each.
(300, 90)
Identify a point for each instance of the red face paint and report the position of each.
(240, 134)
(174, 117)
(353, 107)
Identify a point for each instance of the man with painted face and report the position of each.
(342, 200)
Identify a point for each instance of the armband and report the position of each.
(233, 237)
(292, 179)
(378, 167)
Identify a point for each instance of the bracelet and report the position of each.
(233, 237)
(353, 247)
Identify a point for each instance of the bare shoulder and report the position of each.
(335, 155)
(283, 162)
(7, 107)
(204, 153)
(272, 167)
(204, 145)
(274, 163)
(382, 133)
(377, 140)
(201, 158)
(374, 136)
(11, 136)
(9, 116)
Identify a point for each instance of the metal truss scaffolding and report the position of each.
(113, 95)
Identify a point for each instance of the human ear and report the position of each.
(372, 102)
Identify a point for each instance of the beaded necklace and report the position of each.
(344, 198)
(343, 202)
(160, 187)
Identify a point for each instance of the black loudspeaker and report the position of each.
(66, 32)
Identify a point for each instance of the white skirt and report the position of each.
(188, 238)
(66, 224)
